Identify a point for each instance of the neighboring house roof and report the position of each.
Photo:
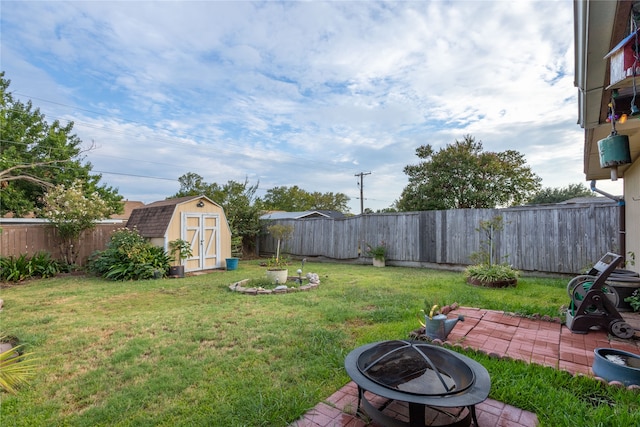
(303, 215)
(129, 206)
(153, 219)
(586, 200)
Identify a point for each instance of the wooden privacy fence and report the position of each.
(18, 239)
(550, 239)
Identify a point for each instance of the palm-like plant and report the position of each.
(15, 369)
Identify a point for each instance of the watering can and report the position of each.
(438, 326)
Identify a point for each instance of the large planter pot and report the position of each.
(378, 262)
(617, 365)
(232, 263)
(277, 276)
(176, 271)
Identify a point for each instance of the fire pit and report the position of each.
(425, 376)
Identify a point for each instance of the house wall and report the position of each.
(632, 214)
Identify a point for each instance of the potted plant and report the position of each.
(280, 232)
(378, 253)
(634, 300)
(492, 275)
(277, 267)
(486, 271)
(181, 250)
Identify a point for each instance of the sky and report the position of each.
(306, 93)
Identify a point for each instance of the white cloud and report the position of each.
(298, 93)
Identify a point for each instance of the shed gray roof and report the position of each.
(153, 219)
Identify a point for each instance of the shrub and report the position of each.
(16, 269)
(129, 257)
(491, 273)
(44, 266)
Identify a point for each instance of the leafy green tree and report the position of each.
(72, 212)
(36, 155)
(559, 194)
(237, 199)
(295, 199)
(462, 175)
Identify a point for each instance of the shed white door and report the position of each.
(202, 231)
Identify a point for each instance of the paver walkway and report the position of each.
(499, 334)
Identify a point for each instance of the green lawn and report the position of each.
(189, 352)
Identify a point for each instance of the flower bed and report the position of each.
(244, 286)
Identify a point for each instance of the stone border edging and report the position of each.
(238, 287)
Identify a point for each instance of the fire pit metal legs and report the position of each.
(417, 415)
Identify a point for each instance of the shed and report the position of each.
(196, 219)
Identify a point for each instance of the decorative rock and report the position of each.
(313, 278)
(281, 287)
(602, 380)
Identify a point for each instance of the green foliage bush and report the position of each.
(16, 269)
(129, 257)
(491, 273)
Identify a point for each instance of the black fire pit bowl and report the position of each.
(421, 374)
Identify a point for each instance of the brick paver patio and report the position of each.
(498, 334)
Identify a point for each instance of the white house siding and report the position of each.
(632, 205)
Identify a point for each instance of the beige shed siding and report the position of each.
(213, 216)
(632, 206)
(157, 241)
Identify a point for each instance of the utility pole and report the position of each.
(361, 184)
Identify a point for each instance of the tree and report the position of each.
(295, 199)
(72, 212)
(35, 156)
(237, 200)
(280, 232)
(559, 194)
(462, 176)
